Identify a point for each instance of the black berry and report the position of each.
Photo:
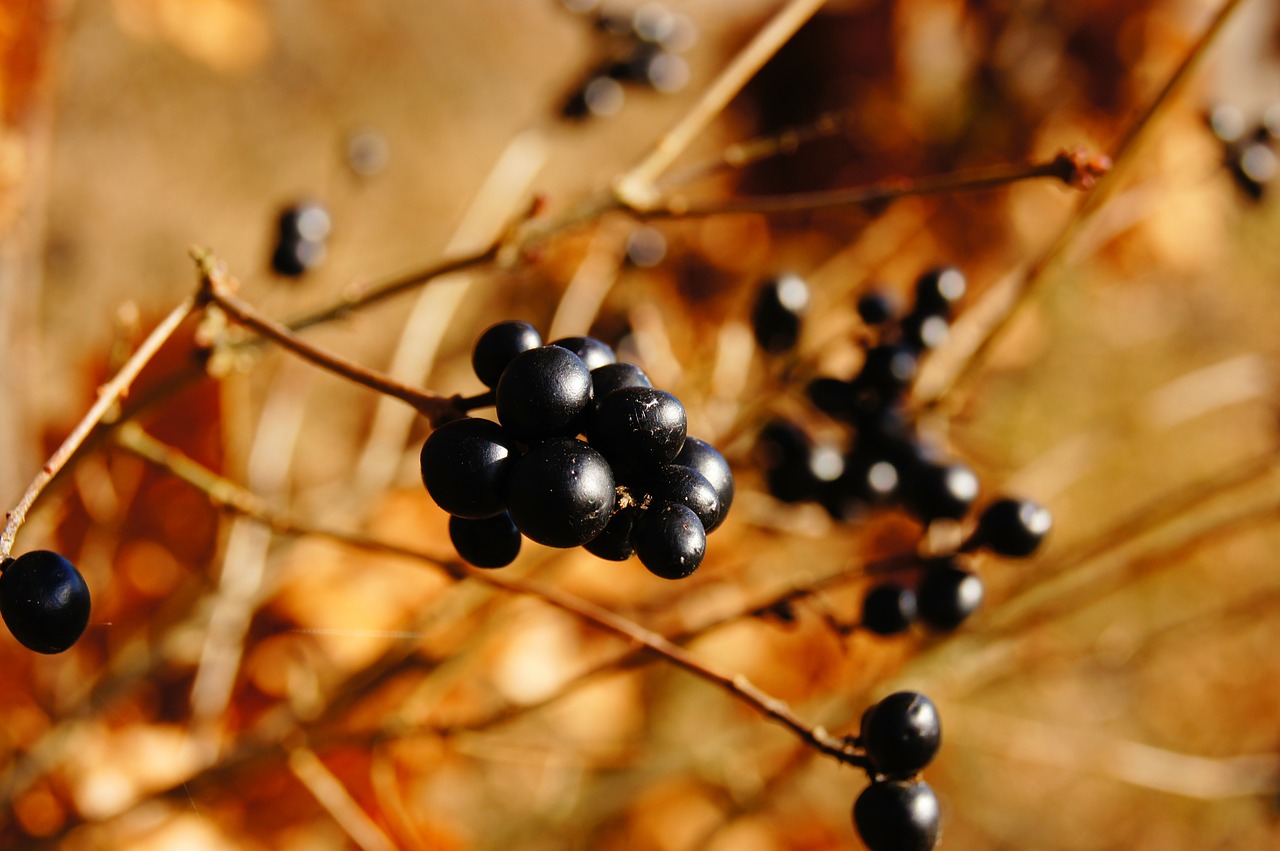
(636, 426)
(947, 596)
(889, 609)
(780, 304)
(465, 464)
(542, 392)
(901, 734)
(941, 490)
(594, 353)
(938, 290)
(614, 376)
(670, 541)
(614, 543)
(497, 345)
(44, 601)
(686, 486)
(561, 493)
(897, 815)
(1011, 527)
(704, 458)
(490, 542)
(876, 307)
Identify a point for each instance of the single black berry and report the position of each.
(1010, 527)
(704, 458)
(938, 290)
(542, 392)
(614, 376)
(44, 601)
(295, 257)
(947, 596)
(923, 332)
(780, 304)
(876, 307)
(497, 345)
(670, 541)
(889, 609)
(898, 815)
(833, 396)
(561, 493)
(614, 543)
(686, 486)
(594, 353)
(901, 734)
(941, 490)
(887, 371)
(490, 542)
(465, 464)
(638, 426)
(301, 231)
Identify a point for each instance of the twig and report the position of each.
(216, 289)
(219, 489)
(1074, 168)
(109, 395)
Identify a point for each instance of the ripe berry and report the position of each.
(497, 345)
(832, 396)
(887, 371)
(300, 238)
(947, 596)
(614, 376)
(702, 457)
(465, 464)
(938, 290)
(614, 543)
(670, 541)
(941, 490)
(672, 483)
(638, 426)
(44, 601)
(542, 392)
(1011, 527)
(901, 734)
(778, 309)
(490, 542)
(923, 332)
(295, 257)
(897, 815)
(561, 493)
(594, 353)
(876, 307)
(889, 609)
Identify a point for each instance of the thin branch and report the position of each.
(233, 497)
(216, 289)
(109, 395)
(1074, 168)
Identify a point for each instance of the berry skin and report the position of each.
(44, 601)
(889, 609)
(614, 376)
(947, 596)
(301, 232)
(778, 309)
(888, 371)
(465, 464)
(542, 392)
(938, 290)
(1009, 527)
(670, 541)
(639, 426)
(672, 483)
(497, 345)
(293, 258)
(702, 457)
(832, 396)
(876, 307)
(941, 490)
(901, 734)
(897, 815)
(594, 353)
(614, 543)
(490, 542)
(561, 493)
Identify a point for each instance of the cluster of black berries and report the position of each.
(44, 601)
(898, 811)
(644, 48)
(1250, 152)
(301, 234)
(883, 460)
(636, 485)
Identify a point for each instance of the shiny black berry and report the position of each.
(542, 392)
(947, 596)
(898, 815)
(887, 371)
(638, 426)
(670, 541)
(465, 464)
(675, 483)
(876, 307)
(490, 542)
(776, 316)
(614, 376)
(941, 490)
(561, 493)
(1010, 527)
(614, 543)
(889, 609)
(594, 353)
(938, 291)
(901, 734)
(301, 231)
(497, 345)
(704, 458)
(44, 601)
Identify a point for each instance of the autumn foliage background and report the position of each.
(238, 690)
